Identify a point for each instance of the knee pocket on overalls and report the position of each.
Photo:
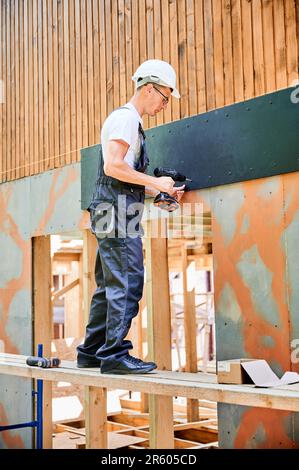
(114, 253)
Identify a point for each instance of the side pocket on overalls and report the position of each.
(102, 219)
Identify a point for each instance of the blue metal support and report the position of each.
(39, 406)
(38, 423)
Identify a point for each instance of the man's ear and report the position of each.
(149, 87)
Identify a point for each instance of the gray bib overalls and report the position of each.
(119, 271)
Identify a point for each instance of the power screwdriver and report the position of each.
(164, 200)
(43, 362)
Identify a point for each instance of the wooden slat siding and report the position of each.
(30, 168)
(40, 116)
(2, 77)
(25, 168)
(128, 48)
(291, 40)
(218, 53)
(12, 92)
(48, 13)
(247, 50)
(8, 92)
(166, 52)
(208, 31)
(56, 121)
(22, 91)
(1, 89)
(200, 57)
(152, 121)
(96, 71)
(135, 40)
(297, 34)
(78, 62)
(227, 52)
(90, 86)
(122, 52)
(191, 57)
(150, 29)
(115, 51)
(183, 64)
(237, 50)
(65, 121)
(158, 46)
(280, 47)
(35, 88)
(109, 57)
(268, 45)
(73, 143)
(258, 53)
(46, 150)
(143, 43)
(62, 80)
(84, 83)
(103, 61)
(17, 89)
(4, 105)
(174, 56)
(61, 126)
(66, 77)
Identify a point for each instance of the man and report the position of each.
(119, 264)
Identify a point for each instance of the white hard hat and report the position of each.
(156, 71)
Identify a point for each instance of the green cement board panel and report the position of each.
(244, 141)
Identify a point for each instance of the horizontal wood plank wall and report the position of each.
(65, 64)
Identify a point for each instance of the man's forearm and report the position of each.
(123, 172)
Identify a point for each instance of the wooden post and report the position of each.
(159, 333)
(190, 333)
(96, 418)
(95, 399)
(142, 304)
(89, 257)
(43, 320)
(81, 318)
(72, 307)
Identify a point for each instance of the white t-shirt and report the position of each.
(123, 124)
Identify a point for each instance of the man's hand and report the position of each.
(179, 193)
(165, 184)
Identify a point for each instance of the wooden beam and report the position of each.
(43, 320)
(167, 383)
(81, 323)
(65, 289)
(159, 330)
(144, 407)
(89, 256)
(96, 418)
(190, 332)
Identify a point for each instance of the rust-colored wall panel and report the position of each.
(255, 245)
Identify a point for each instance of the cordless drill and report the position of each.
(164, 200)
(43, 362)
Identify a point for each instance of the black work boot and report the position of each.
(86, 363)
(127, 365)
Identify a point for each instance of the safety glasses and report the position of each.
(165, 98)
